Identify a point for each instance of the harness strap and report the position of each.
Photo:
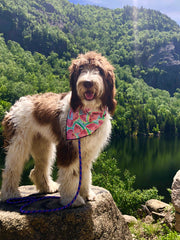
(29, 200)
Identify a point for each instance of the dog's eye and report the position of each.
(96, 71)
(100, 71)
(83, 70)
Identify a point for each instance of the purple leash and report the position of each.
(30, 200)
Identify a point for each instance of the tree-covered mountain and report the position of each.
(40, 37)
(131, 36)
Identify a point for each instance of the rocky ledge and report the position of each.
(99, 219)
(175, 196)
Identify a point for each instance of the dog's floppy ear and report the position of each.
(108, 98)
(111, 92)
(74, 73)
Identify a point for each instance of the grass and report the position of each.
(153, 231)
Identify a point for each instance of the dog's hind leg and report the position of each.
(17, 154)
(43, 153)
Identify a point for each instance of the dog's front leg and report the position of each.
(69, 181)
(85, 190)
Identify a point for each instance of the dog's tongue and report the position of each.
(89, 95)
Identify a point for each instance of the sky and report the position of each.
(169, 7)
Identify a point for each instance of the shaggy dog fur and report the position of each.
(35, 125)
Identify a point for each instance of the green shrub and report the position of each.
(156, 230)
(170, 236)
(107, 174)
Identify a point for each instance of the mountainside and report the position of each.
(128, 36)
(142, 44)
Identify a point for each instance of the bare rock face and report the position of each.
(130, 219)
(160, 211)
(175, 197)
(156, 205)
(166, 59)
(99, 219)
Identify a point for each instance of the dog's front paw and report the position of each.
(88, 195)
(52, 187)
(91, 196)
(78, 202)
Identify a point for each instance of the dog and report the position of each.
(36, 126)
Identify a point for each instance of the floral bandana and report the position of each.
(83, 123)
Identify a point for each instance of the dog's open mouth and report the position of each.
(89, 95)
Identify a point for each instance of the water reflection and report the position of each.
(154, 161)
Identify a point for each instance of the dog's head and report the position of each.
(92, 82)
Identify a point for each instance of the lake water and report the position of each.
(154, 161)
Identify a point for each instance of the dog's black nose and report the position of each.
(88, 84)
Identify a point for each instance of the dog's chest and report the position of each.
(98, 140)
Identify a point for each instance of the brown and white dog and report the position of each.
(36, 126)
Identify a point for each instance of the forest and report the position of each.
(39, 38)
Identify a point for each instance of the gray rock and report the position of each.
(99, 219)
(157, 206)
(175, 198)
(130, 219)
(175, 195)
(166, 58)
(167, 55)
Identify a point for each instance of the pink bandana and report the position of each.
(83, 123)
